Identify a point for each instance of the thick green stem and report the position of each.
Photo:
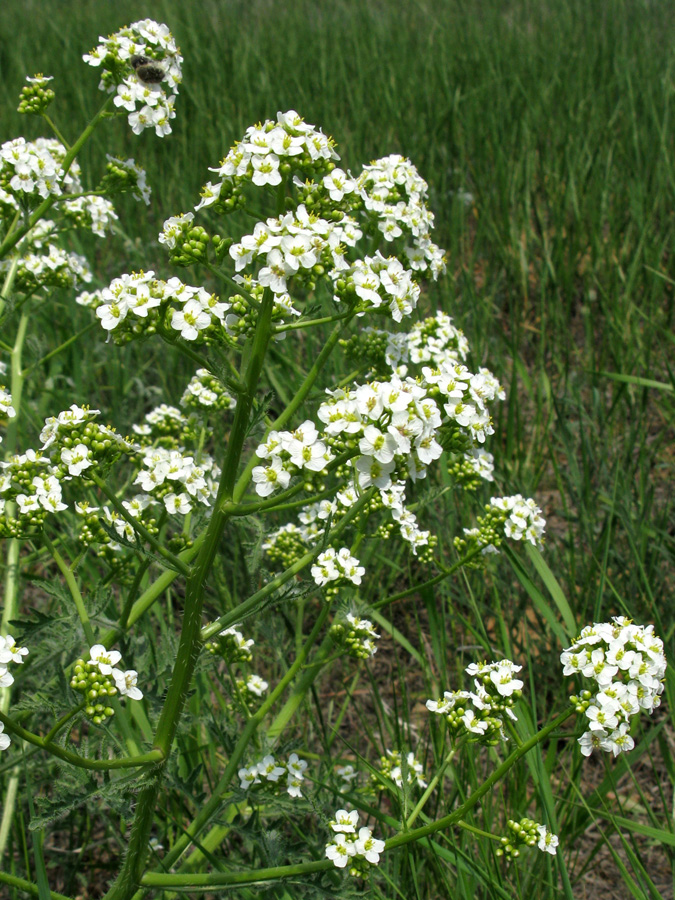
(190, 638)
(11, 592)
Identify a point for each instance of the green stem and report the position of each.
(51, 734)
(60, 348)
(294, 405)
(214, 879)
(56, 131)
(74, 589)
(190, 638)
(29, 887)
(212, 804)
(8, 809)
(479, 831)
(10, 276)
(248, 606)
(125, 762)
(11, 592)
(326, 320)
(430, 788)
(430, 583)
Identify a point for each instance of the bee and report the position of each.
(147, 70)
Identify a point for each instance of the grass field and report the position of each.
(545, 131)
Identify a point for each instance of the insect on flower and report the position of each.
(147, 70)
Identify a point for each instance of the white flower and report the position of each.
(340, 851)
(268, 478)
(249, 776)
(105, 659)
(368, 846)
(256, 685)
(547, 841)
(10, 652)
(270, 770)
(4, 738)
(76, 459)
(345, 821)
(125, 682)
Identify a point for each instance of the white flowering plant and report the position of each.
(335, 470)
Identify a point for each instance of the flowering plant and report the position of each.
(340, 467)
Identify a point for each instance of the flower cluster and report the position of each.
(395, 194)
(393, 423)
(357, 635)
(287, 453)
(71, 443)
(98, 679)
(358, 850)
(335, 567)
(290, 774)
(142, 304)
(177, 480)
(135, 62)
(378, 281)
(291, 247)
(529, 833)
(166, 425)
(628, 665)
(479, 715)
(259, 156)
(53, 267)
(513, 517)
(31, 171)
(434, 341)
(6, 408)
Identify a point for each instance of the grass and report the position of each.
(557, 118)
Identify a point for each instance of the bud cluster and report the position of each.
(526, 833)
(98, 681)
(357, 635)
(232, 646)
(511, 517)
(122, 176)
(205, 392)
(36, 95)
